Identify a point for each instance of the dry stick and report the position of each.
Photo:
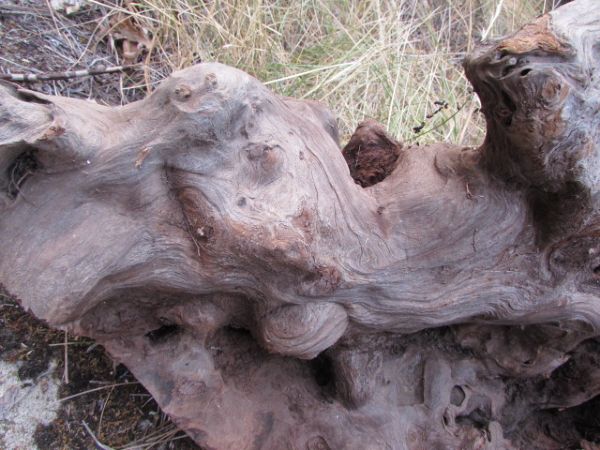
(100, 70)
(158, 433)
(99, 429)
(66, 369)
(22, 10)
(99, 445)
(79, 394)
(60, 344)
(168, 437)
(55, 22)
(155, 438)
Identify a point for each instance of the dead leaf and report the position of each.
(133, 37)
(68, 6)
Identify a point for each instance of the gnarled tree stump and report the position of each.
(273, 292)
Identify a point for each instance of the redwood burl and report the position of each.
(274, 293)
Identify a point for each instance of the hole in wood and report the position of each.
(457, 396)
(508, 102)
(446, 419)
(322, 370)
(21, 168)
(163, 333)
(524, 72)
(478, 418)
(507, 112)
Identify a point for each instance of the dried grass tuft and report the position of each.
(391, 60)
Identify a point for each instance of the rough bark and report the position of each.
(274, 292)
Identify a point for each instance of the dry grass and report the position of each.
(386, 59)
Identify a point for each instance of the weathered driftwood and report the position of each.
(212, 238)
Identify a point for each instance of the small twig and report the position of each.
(419, 129)
(166, 438)
(148, 401)
(56, 26)
(157, 437)
(91, 347)
(468, 194)
(47, 372)
(102, 412)
(66, 358)
(100, 70)
(60, 344)
(79, 394)
(99, 444)
(17, 9)
(441, 104)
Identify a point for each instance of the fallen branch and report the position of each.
(271, 290)
(99, 70)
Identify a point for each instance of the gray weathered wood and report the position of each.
(263, 285)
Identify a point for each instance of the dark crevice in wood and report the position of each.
(322, 371)
(23, 166)
(163, 333)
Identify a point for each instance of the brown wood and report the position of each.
(213, 239)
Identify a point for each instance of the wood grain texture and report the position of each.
(272, 291)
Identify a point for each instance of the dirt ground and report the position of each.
(105, 396)
(102, 404)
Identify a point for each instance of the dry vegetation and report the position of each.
(398, 61)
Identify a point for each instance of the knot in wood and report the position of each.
(211, 80)
(303, 331)
(183, 92)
